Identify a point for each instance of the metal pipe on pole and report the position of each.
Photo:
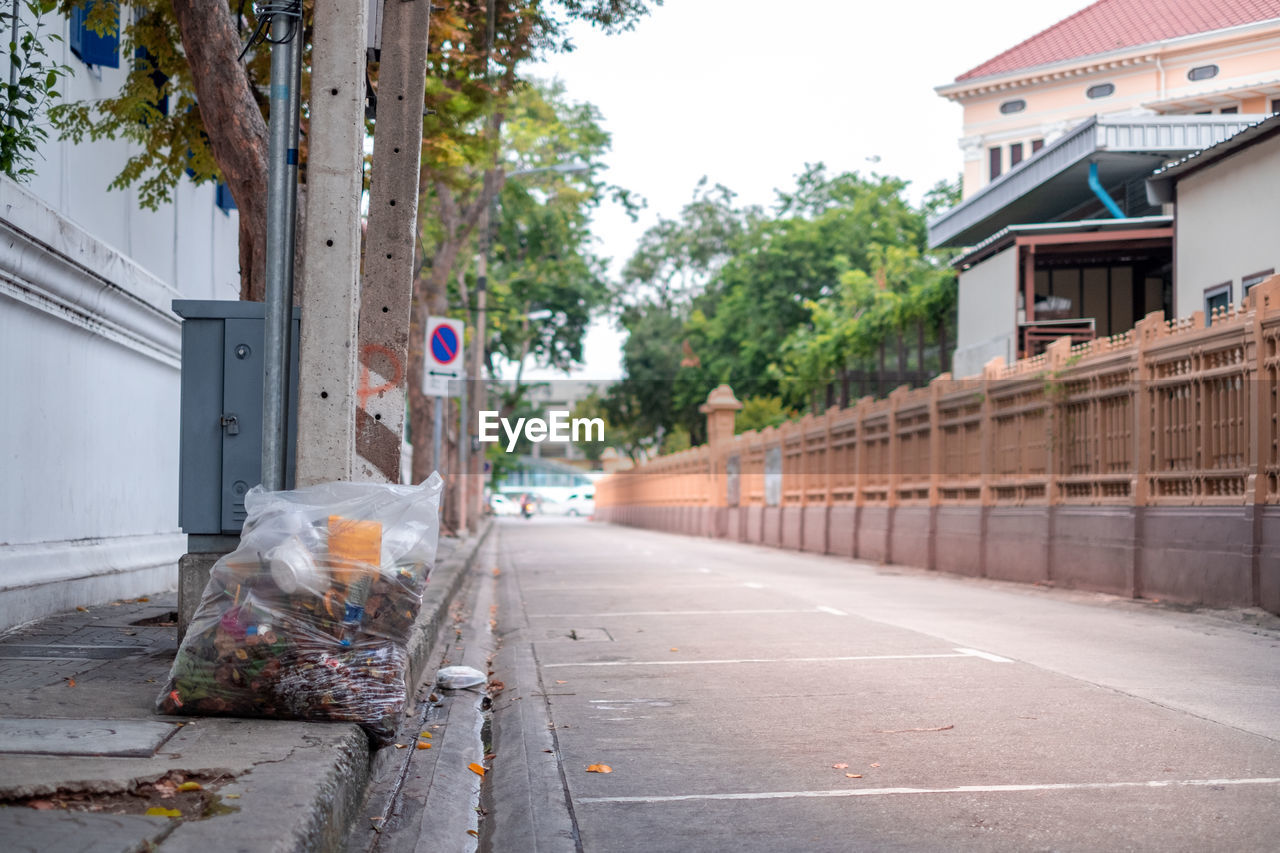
(282, 200)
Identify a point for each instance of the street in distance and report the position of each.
(557, 428)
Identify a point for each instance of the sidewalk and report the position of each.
(84, 756)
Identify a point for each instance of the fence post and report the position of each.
(1057, 354)
(1146, 332)
(895, 468)
(721, 409)
(990, 375)
(1264, 300)
(859, 469)
(935, 464)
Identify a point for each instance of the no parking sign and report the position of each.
(442, 356)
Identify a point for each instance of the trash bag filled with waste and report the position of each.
(309, 619)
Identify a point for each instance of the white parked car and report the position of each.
(502, 505)
(580, 503)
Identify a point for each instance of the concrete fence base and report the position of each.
(1215, 556)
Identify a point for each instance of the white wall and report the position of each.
(986, 313)
(1228, 220)
(89, 368)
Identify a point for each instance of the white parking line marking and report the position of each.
(660, 613)
(832, 611)
(752, 660)
(984, 655)
(961, 789)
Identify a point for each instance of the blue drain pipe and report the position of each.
(1107, 200)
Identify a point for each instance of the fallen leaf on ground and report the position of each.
(472, 832)
(423, 745)
(143, 598)
(674, 649)
(875, 765)
(40, 805)
(425, 734)
(190, 786)
(599, 768)
(230, 796)
(905, 731)
(489, 756)
(840, 766)
(476, 769)
(853, 775)
(71, 682)
(82, 609)
(156, 811)
(562, 682)
(400, 746)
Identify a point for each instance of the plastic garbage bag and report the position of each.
(309, 619)
(459, 677)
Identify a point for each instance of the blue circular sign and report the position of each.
(444, 344)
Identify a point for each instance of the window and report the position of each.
(223, 199)
(1218, 296)
(1247, 283)
(1036, 145)
(1015, 154)
(1101, 90)
(1275, 105)
(1229, 110)
(1202, 72)
(93, 49)
(1014, 106)
(996, 162)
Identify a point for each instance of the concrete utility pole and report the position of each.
(330, 308)
(392, 235)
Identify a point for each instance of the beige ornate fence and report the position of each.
(1146, 464)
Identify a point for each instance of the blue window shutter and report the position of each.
(223, 199)
(94, 49)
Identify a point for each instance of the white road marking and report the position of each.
(832, 611)
(960, 789)
(752, 660)
(984, 655)
(660, 613)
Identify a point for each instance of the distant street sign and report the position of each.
(443, 356)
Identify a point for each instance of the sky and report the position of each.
(746, 92)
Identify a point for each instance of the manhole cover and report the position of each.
(596, 634)
(126, 738)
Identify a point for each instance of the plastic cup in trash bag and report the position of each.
(405, 544)
(293, 567)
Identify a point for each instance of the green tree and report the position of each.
(32, 88)
(189, 52)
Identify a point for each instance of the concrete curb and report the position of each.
(447, 579)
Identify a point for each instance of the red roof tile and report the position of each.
(1115, 24)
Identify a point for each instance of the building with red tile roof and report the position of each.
(1153, 57)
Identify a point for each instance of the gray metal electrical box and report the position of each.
(220, 457)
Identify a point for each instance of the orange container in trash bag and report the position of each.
(355, 548)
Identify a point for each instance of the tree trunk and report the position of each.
(237, 131)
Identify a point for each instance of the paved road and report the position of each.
(750, 699)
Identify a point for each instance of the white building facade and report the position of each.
(89, 364)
